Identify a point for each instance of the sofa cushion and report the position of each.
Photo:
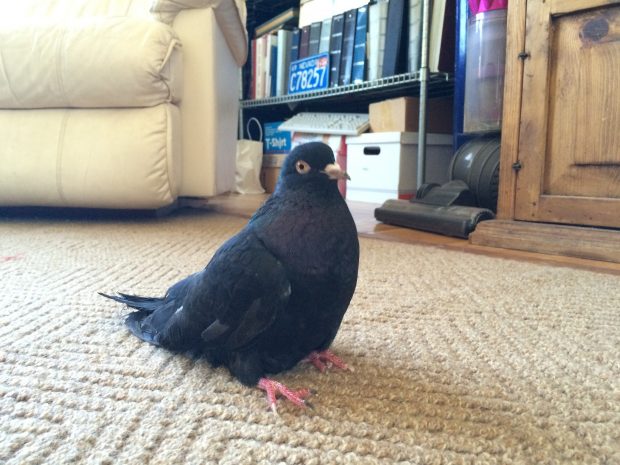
(231, 17)
(100, 158)
(63, 9)
(88, 62)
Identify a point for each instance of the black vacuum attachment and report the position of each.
(452, 209)
(452, 220)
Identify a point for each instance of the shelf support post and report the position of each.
(421, 162)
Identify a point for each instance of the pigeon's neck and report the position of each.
(312, 191)
(299, 207)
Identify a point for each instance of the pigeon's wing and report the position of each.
(249, 287)
(242, 290)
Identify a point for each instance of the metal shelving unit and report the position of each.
(440, 84)
(420, 84)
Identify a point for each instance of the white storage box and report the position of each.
(383, 165)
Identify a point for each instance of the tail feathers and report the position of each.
(145, 304)
(152, 320)
(140, 328)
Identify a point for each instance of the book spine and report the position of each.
(382, 35)
(284, 53)
(348, 42)
(415, 35)
(304, 42)
(285, 19)
(441, 39)
(260, 64)
(359, 48)
(295, 44)
(315, 37)
(377, 24)
(267, 66)
(252, 89)
(335, 49)
(273, 64)
(392, 58)
(326, 29)
(435, 33)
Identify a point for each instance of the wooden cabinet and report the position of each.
(560, 160)
(569, 131)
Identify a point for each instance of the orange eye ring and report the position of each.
(302, 167)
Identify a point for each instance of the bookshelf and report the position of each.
(440, 85)
(352, 97)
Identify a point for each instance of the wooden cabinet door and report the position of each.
(569, 135)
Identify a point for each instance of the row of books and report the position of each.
(360, 45)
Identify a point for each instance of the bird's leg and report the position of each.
(273, 388)
(325, 360)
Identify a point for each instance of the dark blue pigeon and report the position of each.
(275, 293)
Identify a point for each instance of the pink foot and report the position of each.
(325, 360)
(273, 388)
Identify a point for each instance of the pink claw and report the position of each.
(325, 360)
(273, 388)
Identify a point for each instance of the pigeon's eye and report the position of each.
(302, 167)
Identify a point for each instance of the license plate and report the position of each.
(309, 73)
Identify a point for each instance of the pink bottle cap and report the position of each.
(480, 6)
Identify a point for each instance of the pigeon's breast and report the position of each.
(311, 240)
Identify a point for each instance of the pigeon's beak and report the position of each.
(333, 171)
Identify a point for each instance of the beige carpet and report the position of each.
(459, 359)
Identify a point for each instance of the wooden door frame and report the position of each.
(511, 117)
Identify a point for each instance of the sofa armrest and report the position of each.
(229, 14)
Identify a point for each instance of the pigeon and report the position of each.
(275, 293)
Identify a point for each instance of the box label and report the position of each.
(276, 141)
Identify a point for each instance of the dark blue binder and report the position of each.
(348, 41)
(295, 44)
(315, 37)
(273, 71)
(359, 49)
(335, 49)
(304, 42)
(395, 55)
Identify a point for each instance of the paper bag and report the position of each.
(249, 161)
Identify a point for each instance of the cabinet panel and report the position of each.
(584, 105)
(569, 141)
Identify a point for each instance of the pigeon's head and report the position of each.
(312, 163)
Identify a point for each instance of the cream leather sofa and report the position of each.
(118, 103)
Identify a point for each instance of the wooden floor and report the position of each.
(363, 213)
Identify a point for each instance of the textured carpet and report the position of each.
(458, 359)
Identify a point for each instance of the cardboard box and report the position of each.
(270, 171)
(273, 160)
(402, 115)
(383, 165)
(269, 178)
